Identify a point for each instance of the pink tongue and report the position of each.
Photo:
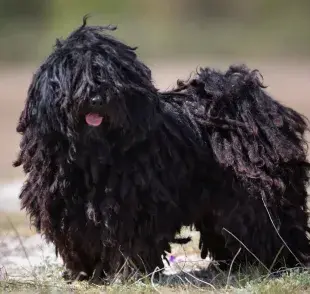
(93, 119)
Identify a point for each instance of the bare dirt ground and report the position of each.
(289, 82)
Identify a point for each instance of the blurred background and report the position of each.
(174, 38)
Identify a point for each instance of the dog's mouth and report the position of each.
(93, 119)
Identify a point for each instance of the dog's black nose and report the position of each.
(96, 101)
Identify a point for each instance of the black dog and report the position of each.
(116, 168)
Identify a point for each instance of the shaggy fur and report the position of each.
(217, 153)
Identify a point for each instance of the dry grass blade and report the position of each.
(23, 247)
(246, 248)
(152, 280)
(276, 257)
(148, 275)
(274, 226)
(199, 280)
(231, 266)
(193, 285)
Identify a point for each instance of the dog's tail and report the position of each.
(250, 133)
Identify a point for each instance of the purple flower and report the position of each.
(171, 258)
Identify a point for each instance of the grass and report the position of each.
(49, 282)
(46, 278)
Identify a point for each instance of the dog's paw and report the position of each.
(71, 276)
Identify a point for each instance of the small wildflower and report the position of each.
(171, 258)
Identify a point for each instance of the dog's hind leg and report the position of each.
(293, 234)
(258, 234)
(212, 243)
(294, 217)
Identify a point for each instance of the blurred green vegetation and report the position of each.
(162, 28)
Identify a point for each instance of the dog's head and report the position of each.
(91, 82)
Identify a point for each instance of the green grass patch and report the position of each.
(47, 279)
(290, 283)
